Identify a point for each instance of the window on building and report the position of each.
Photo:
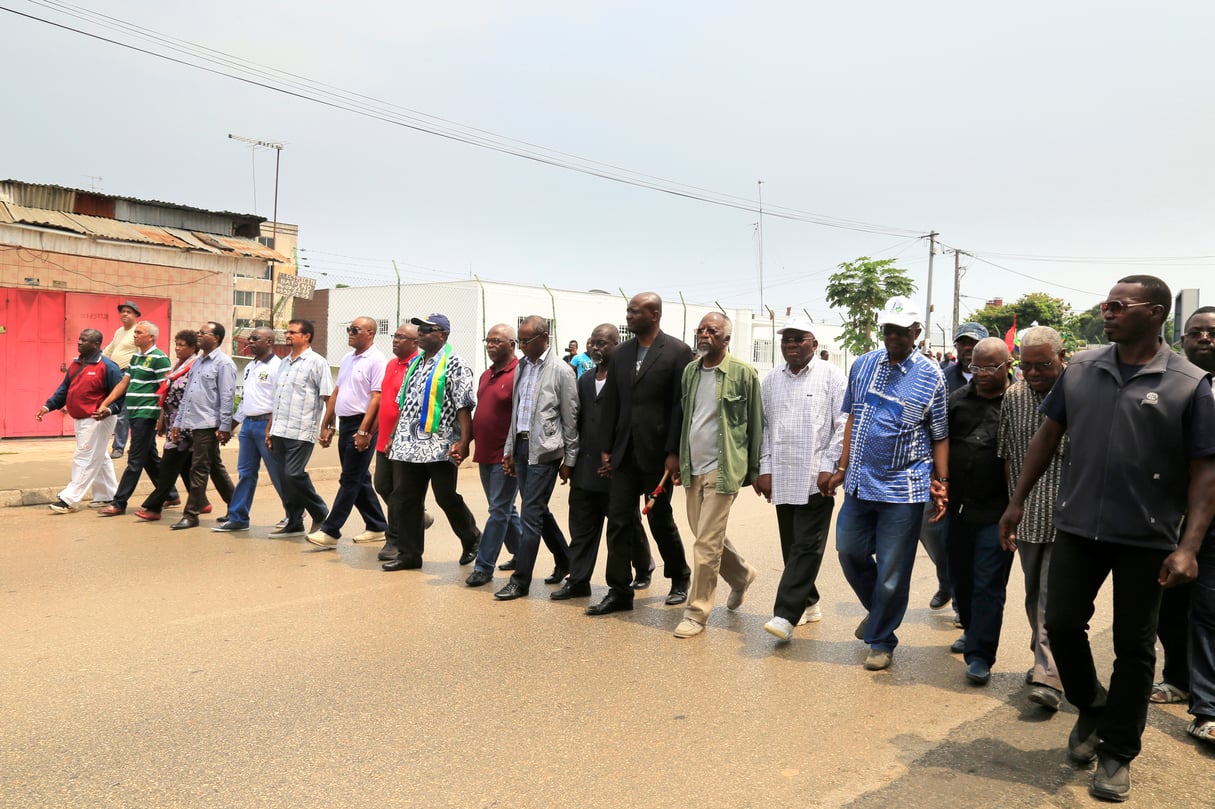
(625, 333)
(382, 325)
(242, 297)
(761, 351)
(264, 300)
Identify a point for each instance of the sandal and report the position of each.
(1168, 694)
(1203, 730)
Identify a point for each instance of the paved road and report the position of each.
(149, 668)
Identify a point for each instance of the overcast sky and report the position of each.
(1075, 129)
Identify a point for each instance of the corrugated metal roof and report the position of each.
(101, 228)
(58, 197)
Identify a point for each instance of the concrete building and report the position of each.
(68, 257)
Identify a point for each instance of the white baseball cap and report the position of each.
(899, 311)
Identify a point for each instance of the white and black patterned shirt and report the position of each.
(803, 428)
(1019, 420)
(410, 443)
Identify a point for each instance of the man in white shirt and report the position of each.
(355, 404)
(803, 438)
(257, 400)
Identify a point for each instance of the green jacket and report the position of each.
(740, 423)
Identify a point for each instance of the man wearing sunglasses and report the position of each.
(354, 404)
(256, 401)
(430, 442)
(895, 459)
(1141, 457)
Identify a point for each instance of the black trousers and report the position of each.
(629, 483)
(1173, 632)
(408, 506)
(299, 495)
(588, 510)
(803, 539)
(173, 463)
(141, 457)
(1078, 568)
(206, 465)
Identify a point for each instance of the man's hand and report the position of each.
(1179, 567)
(175, 434)
(458, 452)
(1009, 520)
(101, 413)
(824, 484)
(508, 466)
(224, 436)
(42, 411)
(605, 465)
(672, 466)
(834, 482)
(564, 473)
(763, 486)
(939, 491)
(326, 437)
(362, 442)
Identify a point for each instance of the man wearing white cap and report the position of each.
(894, 460)
(803, 437)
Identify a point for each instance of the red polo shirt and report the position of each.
(491, 419)
(394, 375)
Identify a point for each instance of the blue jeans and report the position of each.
(980, 575)
(503, 521)
(536, 483)
(354, 485)
(876, 543)
(253, 452)
(122, 430)
(932, 537)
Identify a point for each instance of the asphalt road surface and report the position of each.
(144, 667)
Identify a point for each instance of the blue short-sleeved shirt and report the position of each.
(897, 411)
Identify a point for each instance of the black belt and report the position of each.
(521, 435)
(259, 417)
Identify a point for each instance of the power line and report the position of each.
(241, 70)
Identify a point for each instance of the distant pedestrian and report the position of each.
(120, 349)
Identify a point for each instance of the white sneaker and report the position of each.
(60, 507)
(687, 628)
(322, 539)
(781, 628)
(812, 615)
(368, 536)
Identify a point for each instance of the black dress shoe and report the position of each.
(510, 592)
(401, 563)
(470, 551)
(611, 603)
(642, 582)
(559, 574)
(185, 522)
(479, 577)
(679, 592)
(387, 553)
(569, 591)
(939, 599)
(509, 564)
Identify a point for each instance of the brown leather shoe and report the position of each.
(111, 511)
(149, 516)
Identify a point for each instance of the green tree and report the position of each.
(861, 288)
(1045, 309)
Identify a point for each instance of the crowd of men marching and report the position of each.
(1100, 467)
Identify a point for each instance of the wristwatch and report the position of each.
(362, 432)
(942, 480)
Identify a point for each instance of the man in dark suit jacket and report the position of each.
(590, 492)
(639, 410)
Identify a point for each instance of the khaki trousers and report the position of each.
(713, 553)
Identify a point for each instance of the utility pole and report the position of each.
(957, 285)
(759, 184)
(932, 250)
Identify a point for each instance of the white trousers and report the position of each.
(91, 464)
